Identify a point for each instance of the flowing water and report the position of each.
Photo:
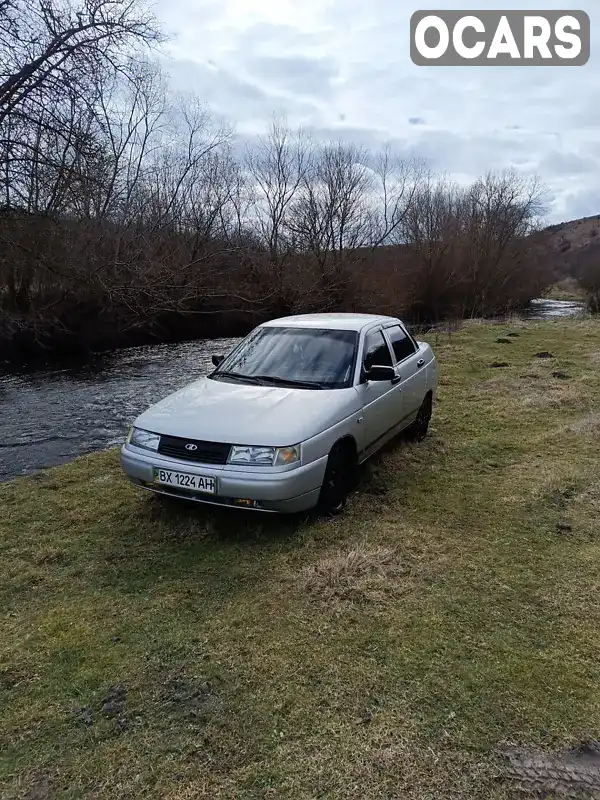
(50, 416)
(548, 309)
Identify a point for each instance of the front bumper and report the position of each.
(286, 492)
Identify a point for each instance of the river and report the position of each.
(51, 416)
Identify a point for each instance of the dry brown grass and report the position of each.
(594, 357)
(555, 396)
(588, 425)
(360, 574)
(536, 389)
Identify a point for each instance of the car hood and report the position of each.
(218, 411)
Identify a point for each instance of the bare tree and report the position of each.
(501, 211)
(398, 182)
(276, 167)
(49, 44)
(469, 249)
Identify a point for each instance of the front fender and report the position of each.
(321, 444)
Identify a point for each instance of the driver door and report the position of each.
(381, 400)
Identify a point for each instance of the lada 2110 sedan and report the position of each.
(284, 420)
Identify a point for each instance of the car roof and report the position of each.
(336, 322)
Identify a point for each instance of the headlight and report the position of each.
(145, 439)
(263, 456)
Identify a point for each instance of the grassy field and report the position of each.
(175, 652)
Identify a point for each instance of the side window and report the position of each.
(377, 352)
(402, 345)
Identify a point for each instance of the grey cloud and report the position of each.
(265, 35)
(361, 137)
(576, 204)
(216, 86)
(295, 74)
(556, 163)
(228, 94)
(469, 154)
(192, 16)
(589, 116)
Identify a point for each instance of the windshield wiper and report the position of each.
(274, 379)
(261, 380)
(237, 376)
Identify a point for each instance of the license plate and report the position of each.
(182, 480)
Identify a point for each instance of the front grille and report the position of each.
(207, 452)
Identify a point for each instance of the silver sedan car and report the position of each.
(285, 419)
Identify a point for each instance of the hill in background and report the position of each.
(573, 247)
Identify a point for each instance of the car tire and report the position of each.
(418, 430)
(339, 479)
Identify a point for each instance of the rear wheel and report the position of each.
(339, 479)
(418, 430)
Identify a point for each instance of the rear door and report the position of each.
(410, 368)
(380, 399)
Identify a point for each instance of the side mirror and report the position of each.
(218, 360)
(380, 373)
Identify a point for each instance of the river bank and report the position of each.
(26, 346)
(52, 415)
(182, 653)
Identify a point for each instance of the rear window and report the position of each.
(402, 345)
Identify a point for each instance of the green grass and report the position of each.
(384, 654)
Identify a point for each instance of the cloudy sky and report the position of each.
(342, 68)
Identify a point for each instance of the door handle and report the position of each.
(397, 379)
(421, 363)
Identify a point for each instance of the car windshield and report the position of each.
(306, 357)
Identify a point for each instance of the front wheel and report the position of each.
(418, 430)
(338, 480)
